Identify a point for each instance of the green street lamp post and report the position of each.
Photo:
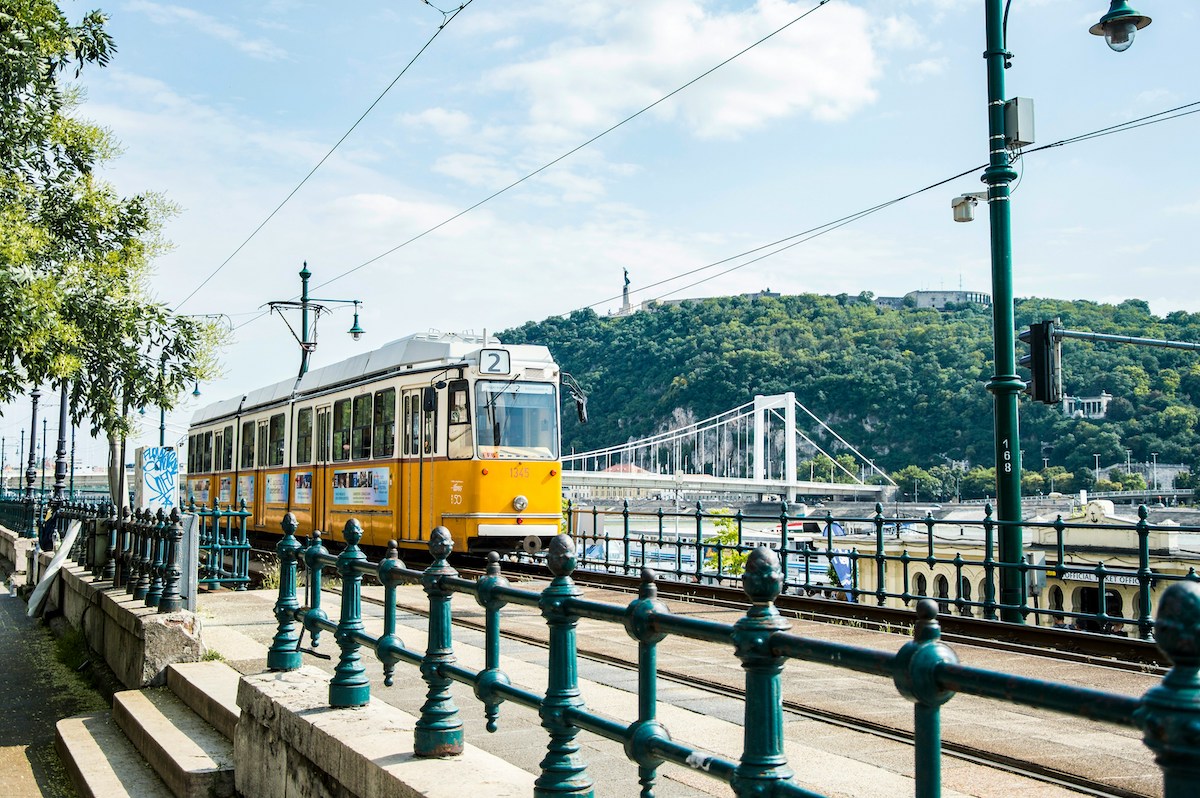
(317, 307)
(31, 473)
(1118, 27)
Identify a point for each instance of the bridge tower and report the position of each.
(786, 402)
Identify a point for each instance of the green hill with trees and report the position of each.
(905, 386)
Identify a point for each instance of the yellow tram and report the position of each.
(430, 430)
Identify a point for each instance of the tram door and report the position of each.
(261, 462)
(414, 470)
(322, 477)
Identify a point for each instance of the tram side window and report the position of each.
(412, 424)
(206, 466)
(323, 435)
(304, 423)
(227, 449)
(191, 454)
(429, 423)
(458, 429)
(248, 444)
(341, 430)
(263, 442)
(360, 431)
(385, 423)
(278, 425)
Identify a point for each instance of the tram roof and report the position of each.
(425, 349)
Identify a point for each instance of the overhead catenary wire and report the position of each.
(447, 18)
(1167, 115)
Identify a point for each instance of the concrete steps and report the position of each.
(174, 741)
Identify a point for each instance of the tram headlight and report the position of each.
(520, 503)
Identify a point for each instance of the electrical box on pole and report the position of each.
(1044, 362)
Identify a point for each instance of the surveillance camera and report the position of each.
(963, 206)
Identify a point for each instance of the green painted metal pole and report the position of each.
(1005, 385)
(389, 647)
(647, 731)
(304, 342)
(349, 686)
(284, 653)
(563, 770)
(763, 762)
(313, 561)
(491, 677)
(439, 730)
(915, 676)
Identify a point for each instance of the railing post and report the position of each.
(243, 569)
(315, 615)
(390, 645)
(563, 769)
(1170, 712)
(171, 600)
(158, 558)
(439, 731)
(284, 653)
(115, 567)
(763, 762)
(1145, 626)
(989, 563)
(915, 677)
(646, 731)
(349, 686)
(485, 595)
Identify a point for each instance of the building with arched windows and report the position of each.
(1088, 567)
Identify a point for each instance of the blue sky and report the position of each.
(224, 107)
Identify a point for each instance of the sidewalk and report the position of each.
(38, 691)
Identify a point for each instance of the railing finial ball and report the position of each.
(763, 578)
(440, 543)
(560, 557)
(1177, 629)
(352, 532)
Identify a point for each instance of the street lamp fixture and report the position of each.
(1119, 25)
(317, 307)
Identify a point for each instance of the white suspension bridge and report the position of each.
(756, 448)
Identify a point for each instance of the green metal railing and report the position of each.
(701, 544)
(224, 545)
(140, 551)
(925, 670)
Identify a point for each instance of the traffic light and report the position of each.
(1044, 362)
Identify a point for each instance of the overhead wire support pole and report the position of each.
(1127, 339)
(1005, 384)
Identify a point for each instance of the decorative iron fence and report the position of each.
(140, 551)
(1101, 577)
(224, 547)
(925, 670)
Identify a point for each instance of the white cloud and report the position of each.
(442, 121)
(822, 66)
(259, 48)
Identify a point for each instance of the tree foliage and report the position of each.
(906, 387)
(74, 254)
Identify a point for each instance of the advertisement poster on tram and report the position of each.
(364, 486)
(225, 494)
(275, 489)
(245, 489)
(198, 490)
(302, 488)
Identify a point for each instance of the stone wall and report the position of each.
(136, 641)
(291, 744)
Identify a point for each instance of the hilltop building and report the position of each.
(938, 300)
(1093, 407)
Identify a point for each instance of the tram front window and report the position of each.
(516, 420)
